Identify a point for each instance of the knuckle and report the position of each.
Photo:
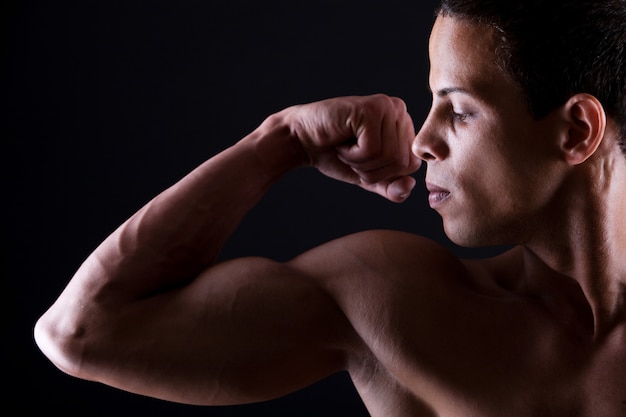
(398, 103)
(380, 97)
(368, 177)
(378, 102)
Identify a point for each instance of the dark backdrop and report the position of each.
(106, 103)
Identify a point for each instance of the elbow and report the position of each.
(63, 345)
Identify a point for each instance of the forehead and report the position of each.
(462, 55)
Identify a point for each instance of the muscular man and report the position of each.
(524, 145)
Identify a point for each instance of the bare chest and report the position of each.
(513, 365)
(569, 386)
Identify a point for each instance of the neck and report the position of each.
(587, 241)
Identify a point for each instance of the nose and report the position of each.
(429, 143)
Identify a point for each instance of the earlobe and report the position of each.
(586, 121)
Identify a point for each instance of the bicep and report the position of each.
(245, 330)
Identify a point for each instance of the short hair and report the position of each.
(554, 49)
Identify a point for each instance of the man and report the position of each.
(523, 147)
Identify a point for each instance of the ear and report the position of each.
(586, 123)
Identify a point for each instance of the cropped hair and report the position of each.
(554, 49)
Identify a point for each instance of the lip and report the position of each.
(437, 195)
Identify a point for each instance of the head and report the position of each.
(521, 94)
(554, 49)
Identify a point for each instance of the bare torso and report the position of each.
(420, 332)
(472, 338)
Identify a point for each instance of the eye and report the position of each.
(460, 117)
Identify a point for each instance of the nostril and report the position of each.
(426, 156)
(430, 147)
(421, 151)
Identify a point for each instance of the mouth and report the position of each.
(437, 195)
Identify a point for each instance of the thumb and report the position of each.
(396, 190)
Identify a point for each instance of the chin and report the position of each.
(475, 237)
(470, 243)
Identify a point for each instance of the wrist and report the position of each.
(276, 145)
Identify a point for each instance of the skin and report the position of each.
(539, 330)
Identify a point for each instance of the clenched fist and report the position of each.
(359, 140)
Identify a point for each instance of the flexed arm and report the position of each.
(150, 312)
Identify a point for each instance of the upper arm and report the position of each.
(253, 329)
(244, 330)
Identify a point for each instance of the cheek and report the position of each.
(487, 176)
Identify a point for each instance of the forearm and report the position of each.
(181, 231)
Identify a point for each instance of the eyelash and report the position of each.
(460, 117)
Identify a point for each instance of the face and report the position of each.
(491, 167)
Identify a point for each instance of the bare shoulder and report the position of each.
(426, 321)
(381, 278)
(376, 247)
(392, 258)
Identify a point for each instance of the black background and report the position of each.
(106, 103)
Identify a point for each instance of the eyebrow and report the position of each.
(447, 91)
